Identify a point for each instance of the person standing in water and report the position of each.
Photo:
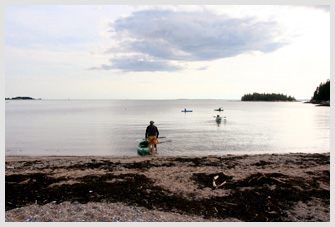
(151, 136)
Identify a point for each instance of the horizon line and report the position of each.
(176, 99)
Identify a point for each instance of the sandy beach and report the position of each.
(271, 187)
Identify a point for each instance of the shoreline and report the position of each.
(156, 155)
(264, 187)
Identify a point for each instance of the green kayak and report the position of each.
(143, 147)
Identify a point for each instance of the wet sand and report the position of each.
(271, 187)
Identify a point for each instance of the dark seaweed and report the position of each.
(258, 197)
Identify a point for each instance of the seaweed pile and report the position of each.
(258, 197)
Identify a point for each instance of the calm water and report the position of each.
(114, 127)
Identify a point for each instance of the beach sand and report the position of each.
(270, 187)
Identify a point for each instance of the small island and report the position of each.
(21, 98)
(267, 97)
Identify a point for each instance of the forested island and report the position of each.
(267, 97)
(321, 95)
(21, 98)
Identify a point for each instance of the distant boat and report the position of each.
(220, 109)
(186, 111)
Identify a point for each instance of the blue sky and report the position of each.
(165, 52)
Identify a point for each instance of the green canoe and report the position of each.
(143, 148)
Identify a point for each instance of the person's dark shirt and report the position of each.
(151, 131)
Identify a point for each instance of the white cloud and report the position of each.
(138, 64)
(166, 35)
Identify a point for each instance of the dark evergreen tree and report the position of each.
(322, 92)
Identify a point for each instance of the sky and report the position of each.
(165, 51)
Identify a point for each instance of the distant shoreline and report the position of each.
(319, 103)
(226, 100)
(22, 98)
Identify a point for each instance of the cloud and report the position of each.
(165, 35)
(325, 8)
(202, 68)
(138, 64)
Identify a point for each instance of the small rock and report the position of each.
(30, 218)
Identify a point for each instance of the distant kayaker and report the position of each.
(151, 136)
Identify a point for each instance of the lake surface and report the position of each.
(114, 127)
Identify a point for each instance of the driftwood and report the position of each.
(214, 182)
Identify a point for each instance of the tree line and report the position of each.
(266, 97)
(20, 98)
(322, 93)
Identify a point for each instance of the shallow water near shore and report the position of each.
(115, 127)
